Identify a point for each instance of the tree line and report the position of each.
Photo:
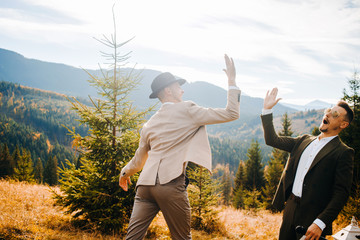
(19, 165)
(32, 121)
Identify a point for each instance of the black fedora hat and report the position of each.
(162, 81)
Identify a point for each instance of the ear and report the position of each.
(344, 124)
(167, 90)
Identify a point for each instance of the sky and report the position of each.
(307, 48)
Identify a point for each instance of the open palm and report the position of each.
(270, 99)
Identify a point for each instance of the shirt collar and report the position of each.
(326, 139)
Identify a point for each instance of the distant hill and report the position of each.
(72, 81)
(40, 109)
(34, 119)
(316, 104)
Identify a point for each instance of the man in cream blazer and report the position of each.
(173, 136)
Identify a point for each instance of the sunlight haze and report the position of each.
(308, 49)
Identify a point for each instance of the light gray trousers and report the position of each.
(172, 199)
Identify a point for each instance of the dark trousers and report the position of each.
(172, 199)
(287, 229)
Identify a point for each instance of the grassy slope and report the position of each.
(27, 211)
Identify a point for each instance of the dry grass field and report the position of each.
(27, 211)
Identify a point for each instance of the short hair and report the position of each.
(349, 112)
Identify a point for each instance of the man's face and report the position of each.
(176, 91)
(333, 120)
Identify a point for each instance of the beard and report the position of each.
(324, 130)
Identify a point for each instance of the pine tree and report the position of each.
(352, 207)
(202, 199)
(92, 191)
(240, 178)
(315, 131)
(226, 186)
(351, 135)
(239, 198)
(254, 168)
(272, 175)
(24, 170)
(7, 164)
(51, 171)
(252, 199)
(285, 132)
(286, 126)
(39, 171)
(16, 155)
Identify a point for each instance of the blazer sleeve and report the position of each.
(342, 187)
(272, 139)
(204, 116)
(139, 159)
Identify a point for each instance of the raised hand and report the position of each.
(230, 70)
(270, 99)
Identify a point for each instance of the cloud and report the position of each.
(273, 42)
(26, 11)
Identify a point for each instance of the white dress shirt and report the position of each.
(306, 159)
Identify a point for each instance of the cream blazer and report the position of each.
(175, 135)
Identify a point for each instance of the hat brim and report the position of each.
(154, 94)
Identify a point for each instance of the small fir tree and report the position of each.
(39, 171)
(16, 155)
(51, 171)
(7, 164)
(226, 186)
(285, 132)
(92, 191)
(252, 199)
(286, 126)
(240, 175)
(202, 200)
(351, 135)
(24, 170)
(315, 131)
(254, 168)
(240, 178)
(352, 207)
(272, 175)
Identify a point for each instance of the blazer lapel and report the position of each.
(329, 147)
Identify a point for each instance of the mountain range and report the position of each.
(61, 78)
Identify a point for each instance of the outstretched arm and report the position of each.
(205, 116)
(270, 99)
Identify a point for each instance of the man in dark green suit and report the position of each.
(317, 178)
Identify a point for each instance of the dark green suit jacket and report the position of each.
(326, 185)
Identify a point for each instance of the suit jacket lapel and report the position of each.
(325, 151)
